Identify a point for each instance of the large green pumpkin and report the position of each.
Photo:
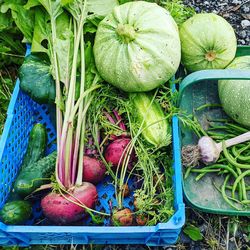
(235, 94)
(207, 42)
(137, 47)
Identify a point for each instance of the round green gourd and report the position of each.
(235, 94)
(36, 80)
(15, 212)
(208, 41)
(137, 47)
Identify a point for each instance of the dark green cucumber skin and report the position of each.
(36, 80)
(36, 145)
(31, 178)
(15, 212)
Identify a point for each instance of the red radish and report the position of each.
(123, 217)
(141, 220)
(61, 211)
(93, 170)
(116, 150)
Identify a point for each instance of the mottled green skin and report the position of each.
(32, 177)
(36, 80)
(156, 129)
(147, 57)
(235, 94)
(36, 145)
(205, 33)
(15, 212)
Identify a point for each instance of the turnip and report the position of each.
(123, 217)
(116, 151)
(64, 209)
(93, 170)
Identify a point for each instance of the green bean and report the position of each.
(237, 153)
(187, 172)
(218, 120)
(231, 187)
(231, 160)
(245, 202)
(238, 179)
(224, 195)
(242, 194)
(202, 170)
(240, 129)
(208, 105)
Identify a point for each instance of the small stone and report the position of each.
(245, 9)
(241, 41)
(243, 34)
(245, 23)
(206, 3)
(197, 9)
(236, 2)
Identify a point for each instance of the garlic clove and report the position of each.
(209, 152)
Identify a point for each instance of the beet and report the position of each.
(123, 217)
(141, 219)
(93, 170)
(61, 211)
(115, 151)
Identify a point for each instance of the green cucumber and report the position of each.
(15, 212)
(36, 145)
(35, 175)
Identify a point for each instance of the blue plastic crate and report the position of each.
(22, 114)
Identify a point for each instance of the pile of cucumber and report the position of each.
(35, 171)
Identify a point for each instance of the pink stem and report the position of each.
(110, 118)
(119, 119)
(75, 159)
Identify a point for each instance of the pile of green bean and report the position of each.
(233, 164)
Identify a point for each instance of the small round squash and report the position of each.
(235, 94)
(207, 42)
(137, 47)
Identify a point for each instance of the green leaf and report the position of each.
(5, 21)
(23, 18)
(53, 7)
(193, 232)
(31, 4)
(41, 35)
(64, 43)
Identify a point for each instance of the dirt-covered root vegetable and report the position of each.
(125, 190)
(141, 219)
(235, 94)
(117, 150)
(61, 210)
(93, 170)
(142, 43)
(208, 41)
(123, 217)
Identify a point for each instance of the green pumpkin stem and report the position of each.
(126, 32)
(210, 56)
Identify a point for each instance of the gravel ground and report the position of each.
(236, 12)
